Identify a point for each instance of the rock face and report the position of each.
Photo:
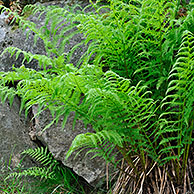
(3, 29)
(14, 132)
(59, 141)
(12, 36)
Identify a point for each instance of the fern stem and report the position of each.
(128, 159)
(186, 153)
(125, 64)
(160, 36)
(78, 85)
(177, 7)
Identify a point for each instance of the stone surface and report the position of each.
(14, 131)
(59, 140)
(13, 134)
(3, 29)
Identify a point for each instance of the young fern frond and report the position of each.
(43, 61)
(179, 99)
(41, 172)
(42, 156)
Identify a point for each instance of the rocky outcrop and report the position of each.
(14, 136)
(13, 130)
(12, 36)
(59, 141)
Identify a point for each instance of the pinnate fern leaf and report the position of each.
(179, 100)
(93, 140)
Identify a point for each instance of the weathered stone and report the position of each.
(59, 140)
(13, 134)
(14, 131)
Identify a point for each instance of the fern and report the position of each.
(55, 33)
(135, 40)
(41, 155)
(109, 103)
(52, 173)
(136, 52)
(42, 173)
(46, 159)
(179, 99)
(96, 143)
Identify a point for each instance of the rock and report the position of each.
(3, 29)
(58, 140)
(13, 134)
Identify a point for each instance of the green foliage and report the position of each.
(176, 130)
(136, 91)
(14, 185)
(45, 158)
(136, 40)
(52, 174)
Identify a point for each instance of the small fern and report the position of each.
(42, 173)
(41, 155)
(51, 173)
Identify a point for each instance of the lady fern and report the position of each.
(51, 173)
(179, 100)
(134, 49)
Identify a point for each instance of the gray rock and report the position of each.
(14, 131)
(59, 140)
(3, 29)
(13, 135)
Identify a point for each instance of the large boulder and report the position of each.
(59, 140)
(14, 132)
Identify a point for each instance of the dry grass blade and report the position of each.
(173, 188)
(164, 181)
(185, 183)
(107, 175)
(141, 187)
(189, 183)
(125, 175)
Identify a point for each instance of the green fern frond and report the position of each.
(57, 30)
(93, 140)
(179, 99)
(42, 156)
(106, 101)
(43, 173)
(50, 168)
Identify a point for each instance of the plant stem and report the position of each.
(128, 159)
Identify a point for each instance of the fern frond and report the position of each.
(42, 156)
(179, 99)
(93, 140)
(43, 173)
(57, 30)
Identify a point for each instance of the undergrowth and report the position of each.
(134, 85)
